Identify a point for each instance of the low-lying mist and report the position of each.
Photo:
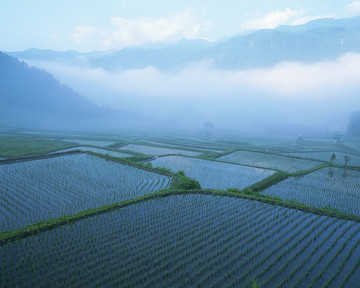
(290, 97)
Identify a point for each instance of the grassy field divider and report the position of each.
(134, 162)
(278, 177)
(40, 157)
(35, 229)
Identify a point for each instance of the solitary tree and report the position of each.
(346, 159)
(332, 157)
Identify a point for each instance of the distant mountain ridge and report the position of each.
(318, 40)
(31, 88)
(32, 97)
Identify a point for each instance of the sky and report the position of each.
(88, 25)
(321, 95)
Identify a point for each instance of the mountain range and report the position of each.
(318, 40)
(33, 97)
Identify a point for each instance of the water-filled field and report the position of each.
(97, 150)
(158, 151)
(202, 147)
(267, 160)
(90, 142)
(325, 156)
(334, 187)
(190, 241)
(214, 175)
(38, 190)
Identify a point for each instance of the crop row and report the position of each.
(90, 142)
(326, 156)
(322, 188)
(270, 161)
(38, 190)
(97, 150)
(200, 147)
(158, 151)
(193, 240)
(214, 175)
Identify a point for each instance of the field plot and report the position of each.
(325, 156)
(34, 191)
(89, 142)
(325, 187)
(203, 148)
(157, 151)
(269, 161)
(190, 241)
(214, 175)
(97, 150)
(354, 144)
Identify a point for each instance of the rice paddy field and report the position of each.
(270, 161)
(334, 187)
(158, 151)
(79, 220)
(90, 142)
(325, 156)
(200, 147)
(219, 242)
(97, 150)
(43, 189)
(214, 175)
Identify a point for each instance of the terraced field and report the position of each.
(158, 151)
(219, 242)
(325, 187)
(178, 237)
(97, 150)
(38, 190)
(270, 161)
(90, 142)
(325, 156)
(211, 174)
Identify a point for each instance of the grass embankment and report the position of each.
(11, 236)
(182, 185)
(134, 161)
(25, 146)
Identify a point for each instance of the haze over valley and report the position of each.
(298, 77)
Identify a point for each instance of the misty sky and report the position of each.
(322, 95)
(87, 25)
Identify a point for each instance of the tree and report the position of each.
(346, 159)
(332, 157)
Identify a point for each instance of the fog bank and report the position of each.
(320, 95)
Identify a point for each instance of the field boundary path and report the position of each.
(34, 229)
(39, 157)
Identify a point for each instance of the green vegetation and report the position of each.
(255, 284)
(185, 183)
(25, 146)
(267, 182)
(135, 162)
(254, 267)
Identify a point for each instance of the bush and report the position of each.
(185, 183)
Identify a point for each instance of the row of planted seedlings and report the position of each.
(192, 240)
(269, 160)
(213, 174)
(34, 191)
(327, 187)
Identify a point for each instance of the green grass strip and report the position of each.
(134, 162)
(35, 229)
